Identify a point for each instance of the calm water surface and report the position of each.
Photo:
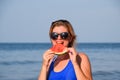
(23, 61)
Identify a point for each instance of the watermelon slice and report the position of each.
(59, 49)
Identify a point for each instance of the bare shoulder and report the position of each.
(84, 59)
(83, 55)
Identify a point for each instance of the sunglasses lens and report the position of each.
(64, 35)
(55, 35)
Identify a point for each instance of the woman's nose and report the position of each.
(59, 37)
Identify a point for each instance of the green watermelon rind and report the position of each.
(61, 53)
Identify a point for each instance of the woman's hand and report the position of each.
(73, 55)
(47, 57)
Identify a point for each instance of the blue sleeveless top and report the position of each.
(67, 73)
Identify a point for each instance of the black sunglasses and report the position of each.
(63, 35)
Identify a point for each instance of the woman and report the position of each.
(69, 66)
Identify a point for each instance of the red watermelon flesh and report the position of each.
(59, 49)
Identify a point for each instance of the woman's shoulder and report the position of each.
(83, 57)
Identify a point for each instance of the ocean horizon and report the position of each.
(17, 45)
(22, 61)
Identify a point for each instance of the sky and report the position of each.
(29, 21)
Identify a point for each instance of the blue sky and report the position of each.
(29, 20)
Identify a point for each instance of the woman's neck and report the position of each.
(63, 57)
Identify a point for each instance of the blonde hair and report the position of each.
(68, 26)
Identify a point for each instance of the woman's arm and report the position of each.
(43, 73)
(47, 58)
(83, 67)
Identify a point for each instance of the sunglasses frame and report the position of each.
(63, 35)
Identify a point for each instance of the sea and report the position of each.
(22, 61)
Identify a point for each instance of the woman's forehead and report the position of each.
(60, 29)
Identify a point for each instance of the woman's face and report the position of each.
(59, 39)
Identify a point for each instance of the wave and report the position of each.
(106, 75)
(24, 46)
(19, 62)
